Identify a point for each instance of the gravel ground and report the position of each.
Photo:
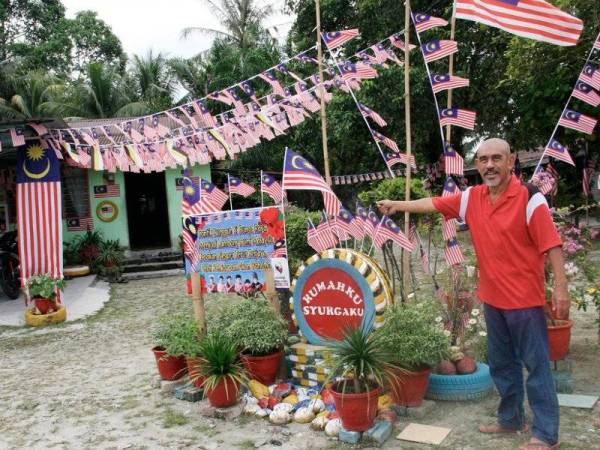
(91, 385)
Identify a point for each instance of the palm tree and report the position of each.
(241, 21)
(153, 80)
(192, 74)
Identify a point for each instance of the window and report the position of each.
(75, 193)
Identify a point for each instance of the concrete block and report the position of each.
(349, 437)
(564, 382)
(378, 433)
(189, 393)
(168, 387)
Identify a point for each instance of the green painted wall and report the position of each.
(118, 229)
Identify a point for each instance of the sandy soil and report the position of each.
(89, 385)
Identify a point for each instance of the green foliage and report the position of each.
(45, 286)
(295, 232)
(220, 360)
(178, 334)
(252, 324)
(110, 260)
(411, 335)
(362, 360)
(393, 189)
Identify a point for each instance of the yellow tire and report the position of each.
(40, 320)
(76, 271)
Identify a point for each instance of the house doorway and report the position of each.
(147, 210)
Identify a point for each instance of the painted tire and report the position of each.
(76, 271)
(40, 320)
(461, 387)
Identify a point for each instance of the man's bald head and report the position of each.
(496, 145)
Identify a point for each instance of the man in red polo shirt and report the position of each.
(513, 233)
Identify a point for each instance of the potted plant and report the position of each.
(88, 245)
(188, 344)
(110, 260)
(170, 341)
(410, 334)
(44, 290)
(221, 368)
(360, 366)
(258, 331)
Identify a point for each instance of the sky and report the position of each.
(142, 25)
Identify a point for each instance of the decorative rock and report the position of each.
(279, 417)
(333, 427)
(378, 433)
(446, 368)
(285, 407)
(466, 365)
(319, 423)
(260, 412)
(349, 437)
(189, 393)
(384, 401)
(304, 415)
(258, 389)
(251, 408)
(249, 399)
(292, 399)
(316, 405)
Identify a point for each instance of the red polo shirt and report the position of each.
(510, 238)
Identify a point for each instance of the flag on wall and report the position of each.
(39, 212)
(80, 224)
(534, 19)
(107, 190)
(18, 137)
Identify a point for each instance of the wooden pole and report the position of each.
(322, 95)
(406, 255)
(198, 299)
(271, 292)
(450, 70)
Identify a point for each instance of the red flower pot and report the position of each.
(263, 368)
(169, 367)
(559, 338)
(44, 304)
(410, 387)
(357, 411)
(193, 367)
(224, 394)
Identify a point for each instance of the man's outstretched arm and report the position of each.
(420, 206)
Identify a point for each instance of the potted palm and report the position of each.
(258, 331)
(221, 368)
(43, 289)
(411, 336)
(360, 366)
(170, 339)
(110, 260)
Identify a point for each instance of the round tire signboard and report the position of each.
(333, 291)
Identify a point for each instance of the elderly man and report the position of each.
(512, 232)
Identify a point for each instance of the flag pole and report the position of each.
(450, 70)
(322, 94)
(406, 255)
(229, 192)
(262, 200)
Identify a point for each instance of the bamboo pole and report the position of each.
(271, 292)
(198, 299)
(406, 255)
(450, 70)
(322, 94)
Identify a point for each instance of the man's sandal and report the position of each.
(496, 428)
(536, 444)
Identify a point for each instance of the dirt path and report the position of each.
(89, 385)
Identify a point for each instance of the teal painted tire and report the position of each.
(461, 387)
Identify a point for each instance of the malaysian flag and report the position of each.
(586, 93)
(434, 50)
(299, 174)
(577, 121)
(212, 194)
(449, 226)
(367, 112)
(237, 186)
(597, 42)
(558, 151)
(361, 216)
(314, 239)
(442, 82)
(415, 239)
(389, 230)
(459, 117)
(453, 162)
(544, 181)
(590, 75)
(350, 71)
(194, 201)
(80, 224)
(453, 253)
(249, 90)
(386, 140)
(398, 41)
(325, 232)
(334, 39)
(392, 158)
(347, 222)
(271, 78)
(269, 185)
(589, 168)
(534, 19)
(17, 135)
(190, 249)
(279, 249)
(179, 185)
(372, 222)
(107, 190)
(39, 208)
(551, 170)
(424, 22)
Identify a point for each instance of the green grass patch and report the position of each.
(174, 419)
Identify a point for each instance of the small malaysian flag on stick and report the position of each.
(368, 112)
(424, 22)
(453, 162)
(190, 250)
(558, 151)
(543, 180)
(237, 186)
(269, 185)
(398, 41)
(392, 158)
(590, 75)
(334, 39)
(443, 82)
(449, 226)
(453, 253)
(434, 50)
(346, 221)
(386, 140)
(586, 93)
(360, 71)
(577, 121)
(107, 190)
(459, 117)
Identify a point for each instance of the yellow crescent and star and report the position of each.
(36, 153)
(298, 162)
